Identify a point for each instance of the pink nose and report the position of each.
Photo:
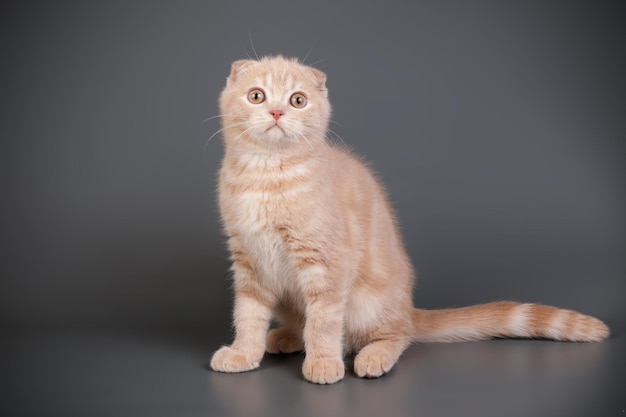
(276, 114)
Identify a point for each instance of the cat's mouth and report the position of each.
(275, 126)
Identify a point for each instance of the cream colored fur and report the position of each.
(315, 245)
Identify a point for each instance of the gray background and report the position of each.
(497, 127)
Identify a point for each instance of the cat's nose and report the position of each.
(276, 113)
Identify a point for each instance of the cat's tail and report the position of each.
(506, 319)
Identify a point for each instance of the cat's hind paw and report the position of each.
(282, 340)
(372, 366)
(377, 358)
(227, 359)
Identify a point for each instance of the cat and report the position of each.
(314, 243)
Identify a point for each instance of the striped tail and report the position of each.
(506, 319)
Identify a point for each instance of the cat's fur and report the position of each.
(315, 245)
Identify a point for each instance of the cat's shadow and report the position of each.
(293, 363)
(284, 361)
(290, 361)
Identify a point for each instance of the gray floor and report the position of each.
(164, 373)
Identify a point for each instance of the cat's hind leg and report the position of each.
(287, 338)
(378, 357)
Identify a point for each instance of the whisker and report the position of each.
(322, 133)
(244, 131)
(306, 140)
(313, 130)
(206, 144)
(252, 44)
(210, 118)
(291, 126)
(310, 50)
(216, 117)
(319, 61)
(337, 135)
(218, 132)
(317, 132)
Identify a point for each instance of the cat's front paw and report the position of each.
(282, 340)
(227, 359)
(323, 371)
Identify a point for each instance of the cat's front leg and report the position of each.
(323, 330)
(252, 315)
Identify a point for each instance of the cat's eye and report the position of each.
(298, 100)
(256, 96)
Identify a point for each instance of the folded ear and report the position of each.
(320, 79)
(238, 68)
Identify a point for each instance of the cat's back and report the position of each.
(358, 185)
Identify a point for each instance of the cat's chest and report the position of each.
(260, 200)
(262, 211)
(260, 225)
(267, 214)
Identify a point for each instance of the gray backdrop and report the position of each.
(497, 127)
(498, 131)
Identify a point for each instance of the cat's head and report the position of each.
(275, 102)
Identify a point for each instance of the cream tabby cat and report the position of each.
(315, 245)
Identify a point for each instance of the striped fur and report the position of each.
(314, 243)
(506, 319)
